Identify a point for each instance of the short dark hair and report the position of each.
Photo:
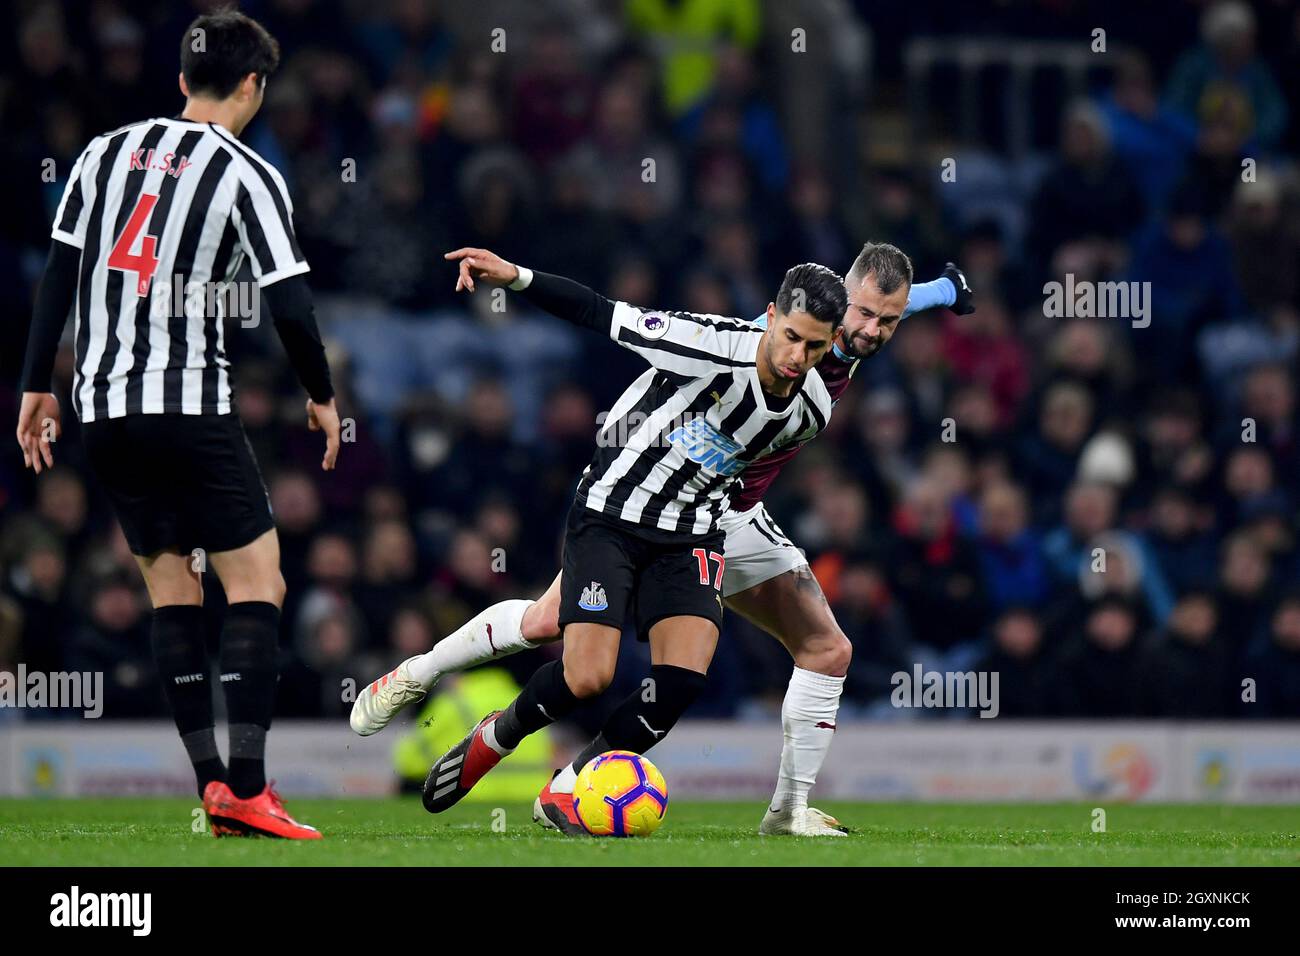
(814, 289)
(220, 48)
(889, 264)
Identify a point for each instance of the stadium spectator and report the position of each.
(1189, 267)
(296, 504)
(37, 595)
(1047, 459)
(1015, 572)
(983, 349)
(835, 527)
(1186, 664)
(1248, 485)
(322, 665)
(388, 575)
(1245, 590)
(113, 640)
(869, 613)
(1027, 674)
(1089, 353)
(61, 502)
(1224, 66)
(1101, 672)
(884, 459)
(1087, 202)
(1265, 242)
(1171, 447)
(935, 572)
(1180, 540)
(410, 633)
(1152, 139)
(1269, 404)
(735, 114)
(331, 573)
(1275, 665)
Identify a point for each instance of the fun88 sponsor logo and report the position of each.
(704, 444)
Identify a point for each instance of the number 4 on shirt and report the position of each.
(145, 262)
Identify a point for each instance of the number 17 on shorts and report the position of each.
(704, 558)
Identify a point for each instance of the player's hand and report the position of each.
(325, 418)
(965, 303)
(481, 264)
(39, 426)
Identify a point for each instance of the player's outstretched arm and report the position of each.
(561, 297)
(677, 342)
(295, 322)
(39, 422)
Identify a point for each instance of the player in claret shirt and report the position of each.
(766, 578)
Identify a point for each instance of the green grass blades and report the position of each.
(397, 832)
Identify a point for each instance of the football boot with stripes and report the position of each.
(464, 765)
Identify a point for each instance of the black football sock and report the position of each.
(593, 750)
(545, 699)
(250, 640)
(247, 760)
(638, 724)
(176, 633)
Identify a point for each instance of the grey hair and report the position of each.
(887, 263)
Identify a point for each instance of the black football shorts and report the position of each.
(611, 569)
(180, 481)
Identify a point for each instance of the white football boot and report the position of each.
(384, 699)
(804, 821)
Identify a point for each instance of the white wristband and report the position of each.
(523, 282)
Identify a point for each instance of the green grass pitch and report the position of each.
(397, 832)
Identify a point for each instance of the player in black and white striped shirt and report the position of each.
(675, 441)
(642, 534)
(157, 217)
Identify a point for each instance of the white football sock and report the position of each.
(490, 738)
(494, 633)
(808, 719)
(564, 780)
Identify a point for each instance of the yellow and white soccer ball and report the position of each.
(620, 794)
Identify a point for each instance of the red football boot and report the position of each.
(215, 795)
(555, 811)
(456, 771)
(262, 815)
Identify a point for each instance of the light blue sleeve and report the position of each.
(927, 295)
(924, 296)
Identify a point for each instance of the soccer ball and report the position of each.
(620, 794)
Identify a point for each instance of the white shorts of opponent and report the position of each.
(756, 549)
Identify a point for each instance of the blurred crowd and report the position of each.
(1103, 511)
